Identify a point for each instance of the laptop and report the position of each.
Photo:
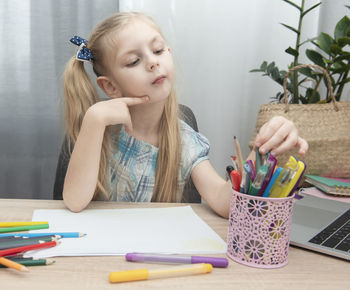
(321, 225)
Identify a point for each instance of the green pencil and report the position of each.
(38, 262)
(23, 228)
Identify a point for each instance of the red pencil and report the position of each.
(28, 248)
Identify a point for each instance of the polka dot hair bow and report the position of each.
(83, 53)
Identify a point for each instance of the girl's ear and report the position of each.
(109, 87)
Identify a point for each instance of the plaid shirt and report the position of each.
(133, 177)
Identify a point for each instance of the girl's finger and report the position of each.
(268, 130)
(287, 130)
(134, 101)
(303, 146)
(287, 144)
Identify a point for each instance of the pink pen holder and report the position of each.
(259, 229)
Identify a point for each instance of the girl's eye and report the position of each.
(133, 63)
(159, 51)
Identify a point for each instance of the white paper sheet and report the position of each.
(172, 230)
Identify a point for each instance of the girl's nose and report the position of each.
(152, 64)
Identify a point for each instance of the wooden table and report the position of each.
(305, 270)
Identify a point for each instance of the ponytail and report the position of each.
(80, 95)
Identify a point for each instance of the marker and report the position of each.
(144, 274)
(272, 181)
(287, 174)
(287, 189)
(138, 257)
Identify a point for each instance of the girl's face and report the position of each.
(143, 65)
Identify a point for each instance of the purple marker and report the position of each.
(138, 257)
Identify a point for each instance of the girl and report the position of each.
(132, 147)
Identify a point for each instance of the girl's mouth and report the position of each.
(159, 80)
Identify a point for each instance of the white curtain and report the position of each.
(34, 49)
(216, 44)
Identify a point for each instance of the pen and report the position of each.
(252, 167)
(228, 172)
(144, 274)
(140, 257)
(247, 172)
(259, 179)
(235, 179)
(270, 162)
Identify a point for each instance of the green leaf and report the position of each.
(256, 70)
(270, 67)
(309, 40)
(292, 51)
(325, 41)
(291, 28)
(344, 56)
(311, 8)
(263, 66)
(342, 41)
(275, 74)
(306, 71)
(336, 49)
(312, 96)
(342, 28)
(315, 57)
(293, 4)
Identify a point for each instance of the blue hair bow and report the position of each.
(84, 53)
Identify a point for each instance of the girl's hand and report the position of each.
(115, 111)
(279, 135)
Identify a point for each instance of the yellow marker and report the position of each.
(287, 174)
(19, 224)
(288, 188)
(144, 274)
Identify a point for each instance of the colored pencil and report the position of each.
(32, 262)
(13, 265)
(19, 238)
(62, 234)
(24, 242)
(20, 224)
(28, 248)
(239, 154)
(23, 228)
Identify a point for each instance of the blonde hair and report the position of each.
(80, 94)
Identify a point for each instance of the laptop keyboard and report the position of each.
(336, 235)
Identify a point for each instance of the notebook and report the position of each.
(329, 185)
(321, 225)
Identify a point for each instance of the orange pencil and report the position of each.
(13, 265)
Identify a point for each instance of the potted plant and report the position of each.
(333, 55)
(324, 124)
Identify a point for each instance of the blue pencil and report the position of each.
(63, 235)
